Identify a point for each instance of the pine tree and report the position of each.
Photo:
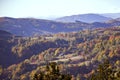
(52, 73)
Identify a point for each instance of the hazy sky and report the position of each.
(50, 8)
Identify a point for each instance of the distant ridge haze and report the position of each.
(32, 26)
(89, 18)
(111, 15)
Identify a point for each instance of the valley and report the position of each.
(59, 39)
(82, 51)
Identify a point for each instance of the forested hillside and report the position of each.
(76, 53)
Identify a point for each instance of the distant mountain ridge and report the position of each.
(31, 26)
(111, 15)
(4, 33)
(88, 18)
(34, 27)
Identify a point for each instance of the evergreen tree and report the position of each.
(106, 71)
(52, 73)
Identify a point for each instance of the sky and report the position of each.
(56, 8)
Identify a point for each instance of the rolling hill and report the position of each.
(35, 27)
(111, 15)
(30, 27)
(88, 18)
(77, 53)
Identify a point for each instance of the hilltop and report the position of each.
(35, 27)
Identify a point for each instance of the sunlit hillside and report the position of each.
(76, 53)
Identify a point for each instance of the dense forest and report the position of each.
(92, 54)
